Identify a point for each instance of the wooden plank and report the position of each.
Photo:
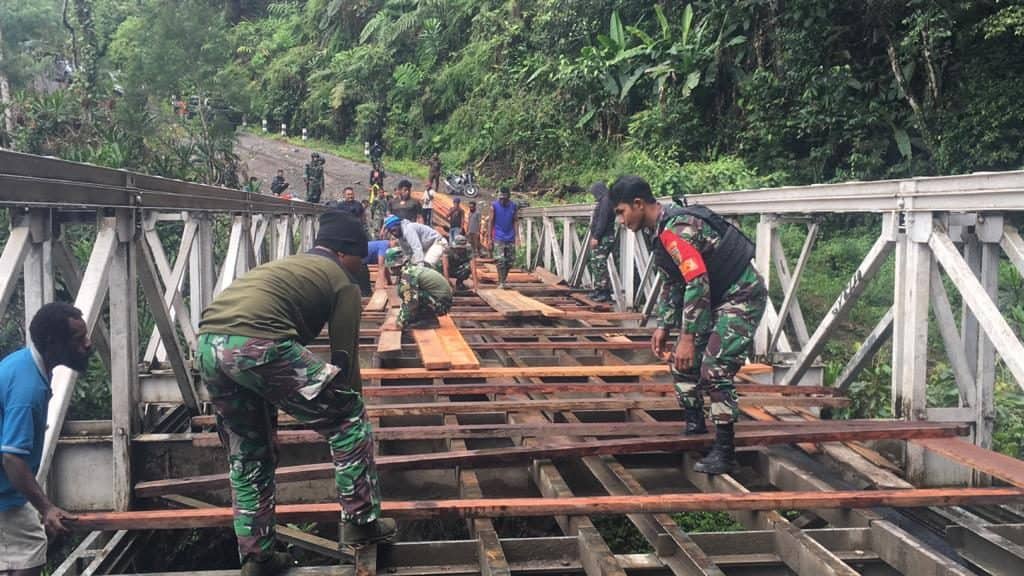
(590, 404)
(763, 436)
(433, 353)
(547, 277)
(390, 341)
(639, 370)
(378, 302)
(459, 352)
(521, 507)
(502, 301)
(479, 431)
(1006, 468)
(648, 387)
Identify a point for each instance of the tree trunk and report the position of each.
(5, 97)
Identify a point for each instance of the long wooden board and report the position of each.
(639, 370)
(602, 387)
(513, 304)
(570, 404)
(433, 353)
(545, 430)
(390, 341)
(1006, 468)
(513, 507)
(459, 352)
(764, 436)
(378, 302)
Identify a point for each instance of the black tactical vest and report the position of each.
(725, 263)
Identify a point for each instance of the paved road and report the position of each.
(264, 156)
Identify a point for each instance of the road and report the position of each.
(262, 157)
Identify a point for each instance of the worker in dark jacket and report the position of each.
(252, 356)
(602, 242)
(712, 293)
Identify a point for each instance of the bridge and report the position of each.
(535, 412)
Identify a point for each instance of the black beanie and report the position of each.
(342, 232)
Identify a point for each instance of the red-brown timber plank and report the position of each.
(590, 404)
(378, 302)
(824, 432)
(459, 351)
(479, 431)
(433, 353)
(597, 388)
(1006, 468)
(515, 507)
(390, 340)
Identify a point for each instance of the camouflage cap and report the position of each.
(394, 257)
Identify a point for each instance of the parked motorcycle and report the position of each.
(462, 184)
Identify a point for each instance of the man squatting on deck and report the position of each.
(253, 359)
(712, 293)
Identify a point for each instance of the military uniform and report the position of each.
(314, 180)
(252, 357)
(712, 291)
(597, 264)
(460, 260)
(423, 290)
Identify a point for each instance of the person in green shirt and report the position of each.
(252, 356)
(425, 292)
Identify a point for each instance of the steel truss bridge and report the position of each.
(557, 414)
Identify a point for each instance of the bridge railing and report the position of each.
(125, 212)
(939, 230)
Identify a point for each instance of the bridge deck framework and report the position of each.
(550, 413)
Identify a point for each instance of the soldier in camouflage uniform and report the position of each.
(602, 242)
(425, 293)
(314, 177)
(252, 356)
(460, 261)
(712, 293)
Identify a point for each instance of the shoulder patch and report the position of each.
(690, 262)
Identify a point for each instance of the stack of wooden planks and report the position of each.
(513, 304)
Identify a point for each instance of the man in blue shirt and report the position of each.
(504, 213)
(59, 338)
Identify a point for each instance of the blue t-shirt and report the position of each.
(24, 399)
(504, 221)
(374, 249)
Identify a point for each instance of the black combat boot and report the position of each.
(360, 535)
(722, 459)
(601, 296)
(426, 321)
(695, 423)
(267, 564)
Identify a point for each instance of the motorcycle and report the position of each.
(462, 184)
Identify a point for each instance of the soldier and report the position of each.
(460, 261)
(425, 293)
(252, 356)
(712, 293)
(314, 178)
(602, 241)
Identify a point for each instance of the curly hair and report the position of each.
(50, 325)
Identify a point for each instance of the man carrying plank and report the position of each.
(425, 293)
(252, 356)
(712, 293)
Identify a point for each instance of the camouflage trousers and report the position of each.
(721, 344)
(417, 302)
(505, 258)
(460, 269)
(597, 264)
(314, 193)
(248, 380)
